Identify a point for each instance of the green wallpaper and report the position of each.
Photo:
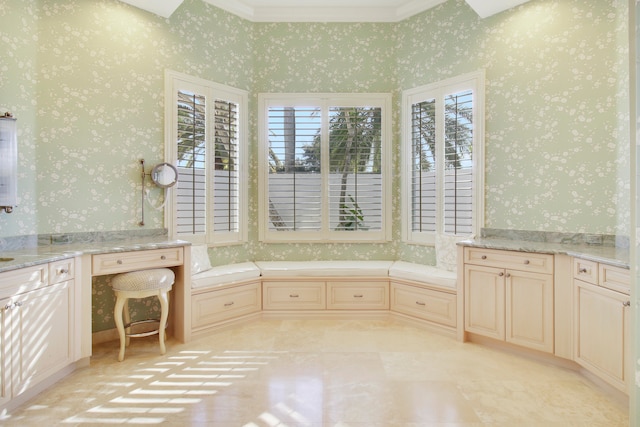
(85, 79)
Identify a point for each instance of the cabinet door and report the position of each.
(5, 347)
(484, 301)
(41, 341)
(529, 310)
(600, 335)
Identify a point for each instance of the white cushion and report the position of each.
(199, 259)
(324, 268)
(225, 274)
(423, 273)
(144, 280)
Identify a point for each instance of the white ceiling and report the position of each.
(325, 10)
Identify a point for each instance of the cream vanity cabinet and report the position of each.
(37, 325)
(508, 296)
(601, 338)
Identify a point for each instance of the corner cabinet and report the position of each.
(508, 296)
(602, 321)
(37, 326)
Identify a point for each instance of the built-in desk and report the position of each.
(139, 256)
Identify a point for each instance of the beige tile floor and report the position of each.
(342, 373)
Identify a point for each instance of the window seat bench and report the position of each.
(229, 294)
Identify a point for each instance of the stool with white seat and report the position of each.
(141, 284)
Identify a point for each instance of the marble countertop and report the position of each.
(611, 255)
(15, 259)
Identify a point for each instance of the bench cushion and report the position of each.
(423, 273)
(324, 268)
(225, 274)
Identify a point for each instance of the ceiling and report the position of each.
(325, 10)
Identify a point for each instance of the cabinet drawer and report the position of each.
(292, 296)
(23, 280)
(615, 278)
(216, 306)
(135, 260)
(523, 261)
(357, 296)
(435, 306)
(585, 270)
(61, 271)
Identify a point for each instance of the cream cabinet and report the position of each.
(212, 307)
(508, 296)
(358, 295)
(293, 295)
(437, 306)
(602, 321)
(37, 325)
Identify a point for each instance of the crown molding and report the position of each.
(325, 10)
(486, 8)
(162, 8)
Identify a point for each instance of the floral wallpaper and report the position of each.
(85, 79)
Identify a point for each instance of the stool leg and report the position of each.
(117, 314)
(127, 321)
(164, 314)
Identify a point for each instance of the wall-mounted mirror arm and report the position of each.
(163, 175)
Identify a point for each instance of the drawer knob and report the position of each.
(229, 304)
(526, 262)
(163, 257)
(484, 257)
(501, 274)
(293, 295)
(626, 304)
(63, 271)
(420, 303)
(119, 262)
(583, 270)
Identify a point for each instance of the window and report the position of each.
(443, 159)
(324, 167)
(206, 140)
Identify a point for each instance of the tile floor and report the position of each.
(350, 373)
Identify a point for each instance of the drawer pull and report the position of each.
(420, 303)
(229, 304)
(62, 271)
(294, 295)
(583, 270)
(501, 274)
(626, 304)
(119, 262)
(508, 274)
(484, 257)
(163, 257)
(358, 296)
(526, 262)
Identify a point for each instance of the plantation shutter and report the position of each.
(355, 178)
(294, 179)
(191, 163)
(226, 212)
(458, 167)
(423, 166)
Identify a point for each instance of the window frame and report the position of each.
(324, 101)
(475, 82)
(175, 81)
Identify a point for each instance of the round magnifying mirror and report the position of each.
(164, 175)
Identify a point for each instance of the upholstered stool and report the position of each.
(141, 284)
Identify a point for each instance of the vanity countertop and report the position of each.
(611, 255)
(15, 259)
